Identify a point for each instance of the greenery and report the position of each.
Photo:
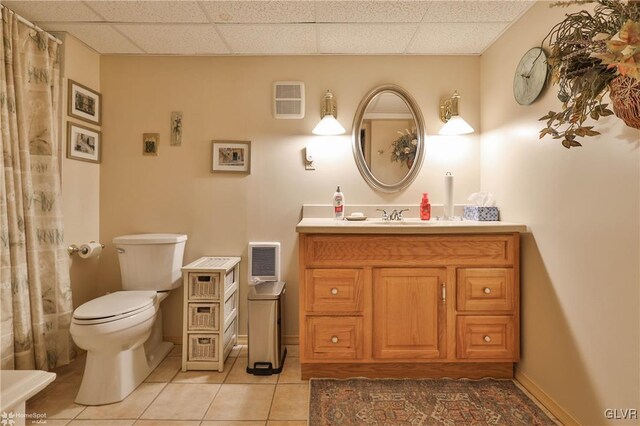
(589, 50)
(404, 148)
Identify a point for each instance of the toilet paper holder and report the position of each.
(73, 249)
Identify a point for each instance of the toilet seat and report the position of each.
(114, 307)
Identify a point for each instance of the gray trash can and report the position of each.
(266, 349)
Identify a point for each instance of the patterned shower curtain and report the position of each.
(35, 293)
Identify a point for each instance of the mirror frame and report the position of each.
(358, 155)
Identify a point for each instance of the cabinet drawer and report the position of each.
(204, 286)
(334, 290)
(334, 338)
(486, 289)
(204, 316)
(203, 347)
(486, 337)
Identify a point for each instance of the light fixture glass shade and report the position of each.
(456, 126)
(328, 126)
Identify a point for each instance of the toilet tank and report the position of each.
(150, 261)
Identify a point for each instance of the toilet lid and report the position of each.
(115, 304)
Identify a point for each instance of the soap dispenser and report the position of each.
(425, 207)
(338, 204)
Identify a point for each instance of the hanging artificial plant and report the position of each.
(593, 54)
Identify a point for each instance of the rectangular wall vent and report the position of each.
(288, 99)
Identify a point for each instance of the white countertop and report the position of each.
(406, 226)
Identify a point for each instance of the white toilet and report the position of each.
(122, 331)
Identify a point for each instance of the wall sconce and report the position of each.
(454, 124)
(328, 125)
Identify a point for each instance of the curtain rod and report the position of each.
(32, 25)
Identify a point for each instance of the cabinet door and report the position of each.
(409, 313)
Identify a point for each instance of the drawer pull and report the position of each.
(334, 291)
(334, 339)
(487, 290)
(487, 339)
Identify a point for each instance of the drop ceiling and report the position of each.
(278, 27)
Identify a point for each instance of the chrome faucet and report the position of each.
(395, 215)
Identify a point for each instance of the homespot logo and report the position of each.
(10, 418)
(7, 419)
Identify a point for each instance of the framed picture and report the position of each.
(83, 143)
(231, 156)
(150, 143)
(84, 103)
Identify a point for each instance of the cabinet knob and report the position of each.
(487, 339)
(334, 291)
(487, 290)
(334, 339)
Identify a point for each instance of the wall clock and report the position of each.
(530, 76)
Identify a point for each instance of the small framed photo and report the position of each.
(231, 156)
(150, 143)
(83, 143)
(84, 103)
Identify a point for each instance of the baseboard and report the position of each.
(291, 339)
(549, 403)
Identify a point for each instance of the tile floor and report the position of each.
(194, 398)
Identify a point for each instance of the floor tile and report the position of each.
(204, 376)
(166, 423)
(287, 423)
(241, 402)
(293, 350)
(290, 402)
(179, 401)
(165, 371)
(291, 372)
(130, 408)
(57, 403)
(232, 423)
(238, 374)
(176, 351)
(99, 423)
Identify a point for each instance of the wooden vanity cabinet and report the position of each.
(409, 305)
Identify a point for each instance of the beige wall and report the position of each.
(80, 180)
(230, 98)
(580, 294)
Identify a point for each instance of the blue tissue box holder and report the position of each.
(481, 213)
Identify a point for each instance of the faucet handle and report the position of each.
(400, 213)
(385, 215)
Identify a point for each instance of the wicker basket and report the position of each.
(625, 97)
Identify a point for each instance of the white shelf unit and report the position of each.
(210, 321)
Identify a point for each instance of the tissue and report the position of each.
(483, 208)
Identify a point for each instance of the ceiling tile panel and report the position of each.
(186, 39)
(53, 11)
(150, 11)
(266, 12)
(364, 38)
(476, 11)
(270, 39)
(455, 38)
(370, 11)
(101, 37)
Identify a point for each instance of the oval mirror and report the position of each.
(388, 138)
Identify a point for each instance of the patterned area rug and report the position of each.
(421, 402)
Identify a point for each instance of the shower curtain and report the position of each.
(36, 308)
